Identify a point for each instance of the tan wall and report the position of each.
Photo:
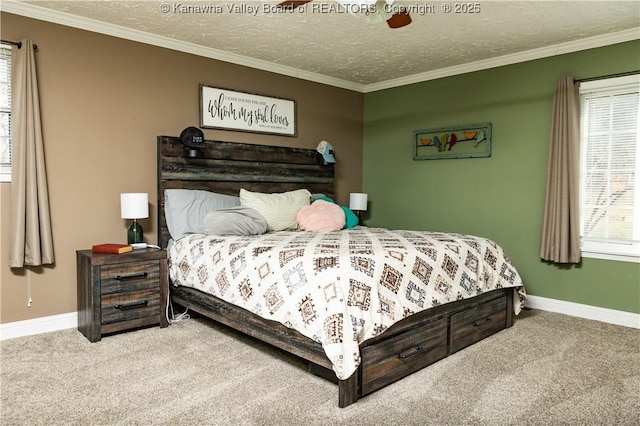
(103, 101)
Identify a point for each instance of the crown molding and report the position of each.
(528, 55)
(62, 18)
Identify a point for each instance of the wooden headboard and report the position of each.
(226, 167)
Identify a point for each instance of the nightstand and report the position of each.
(118, 292)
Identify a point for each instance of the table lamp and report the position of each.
(134, 206)
(358, 203)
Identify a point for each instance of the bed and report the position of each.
(364, 306)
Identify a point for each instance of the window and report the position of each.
(5, 113)
(610, 168)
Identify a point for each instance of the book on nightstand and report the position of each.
(111, 248)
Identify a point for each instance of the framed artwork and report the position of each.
(231, 110)
(473, 140)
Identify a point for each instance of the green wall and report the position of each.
(500, 197)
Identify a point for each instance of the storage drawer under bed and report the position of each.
(474, 324)
(406, 353)
(390, 360)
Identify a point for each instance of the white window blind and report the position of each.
(5, 113)
(610, 168)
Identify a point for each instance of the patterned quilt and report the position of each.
(342, 288)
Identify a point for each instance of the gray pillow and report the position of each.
(234, 221)
(185, 209)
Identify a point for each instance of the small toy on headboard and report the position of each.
(326, 150)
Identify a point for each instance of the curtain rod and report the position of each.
(17, 43)
(602, 77)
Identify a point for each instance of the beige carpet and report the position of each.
(548, 369)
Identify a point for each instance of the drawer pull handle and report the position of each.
(131, 276)
(132, 305)
(407, 355)
(483, 322)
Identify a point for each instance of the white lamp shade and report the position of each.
(134, 206)
(358, 201)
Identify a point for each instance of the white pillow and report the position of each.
(185, 209)
(280, 209)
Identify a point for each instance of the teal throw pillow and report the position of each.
(351, 218)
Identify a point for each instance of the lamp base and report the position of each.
(134, 233)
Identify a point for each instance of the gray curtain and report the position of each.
(560, 239)
(31, 238)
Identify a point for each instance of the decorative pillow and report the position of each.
(280, 209)
(185, 209)
(350, 218)
(316, 197)
(321, 216)
(234, 221)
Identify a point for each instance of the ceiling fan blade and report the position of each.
(292, 4)
(399, 19)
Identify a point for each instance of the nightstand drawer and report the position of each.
(129, 277)
(129, 306)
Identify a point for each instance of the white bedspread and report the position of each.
(342, 288)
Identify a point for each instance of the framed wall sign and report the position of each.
(230, 110)
(473, 140)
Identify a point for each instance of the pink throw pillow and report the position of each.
(321, 216)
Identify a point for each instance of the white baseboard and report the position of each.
(611, 316)
(70, 320)
(38, 325)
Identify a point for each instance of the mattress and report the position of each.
(342, 288)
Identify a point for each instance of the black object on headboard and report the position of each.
(225, 167)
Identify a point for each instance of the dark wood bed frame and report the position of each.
(404, 348)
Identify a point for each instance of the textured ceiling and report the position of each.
(322, 38)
